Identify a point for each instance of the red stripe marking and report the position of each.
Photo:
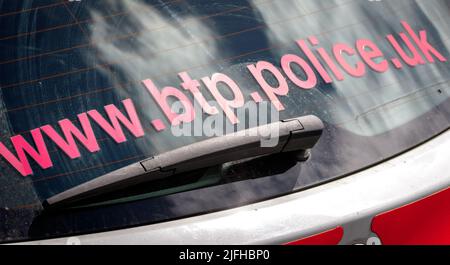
(329, 237)
(423, 222)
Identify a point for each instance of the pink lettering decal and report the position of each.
(67, 144)
(115, 130)
(225, 104)
(313, 40)
(413, 60)
(314, 61)
(256, 97)
(311, 79)
(271, 92)
(396, 63)
(423, 44)
(369, 55)
(22, 147)
(193, 87)
(326, 57)
(161, 98)
(158, 125)
(358, 70)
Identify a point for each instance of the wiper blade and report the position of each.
(298, 134)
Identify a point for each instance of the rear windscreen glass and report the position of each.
(90, 86)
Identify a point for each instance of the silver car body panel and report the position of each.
(350, 202)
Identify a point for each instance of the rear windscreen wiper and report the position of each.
(297, 135)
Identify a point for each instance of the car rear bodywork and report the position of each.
(404, 200)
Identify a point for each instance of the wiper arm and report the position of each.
(298, 134)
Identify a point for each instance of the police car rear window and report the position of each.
(88, 87)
